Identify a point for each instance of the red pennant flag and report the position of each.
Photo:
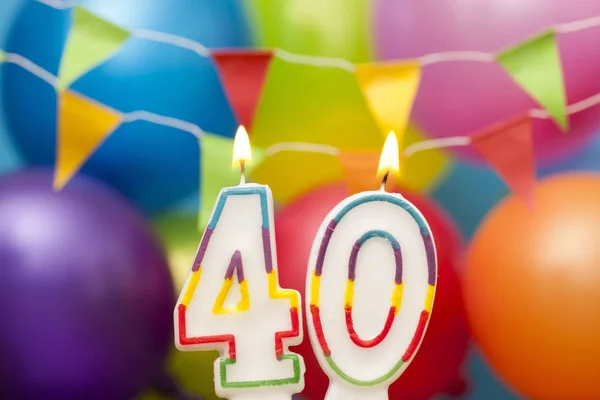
(508, 147)
(243, 74)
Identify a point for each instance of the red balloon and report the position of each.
(437, 366)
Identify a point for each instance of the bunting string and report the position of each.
(185, 126)
(320, 61)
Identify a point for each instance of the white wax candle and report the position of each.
(232, 301)
(370, 288)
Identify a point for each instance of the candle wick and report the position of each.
(243, 172)
(384, 180)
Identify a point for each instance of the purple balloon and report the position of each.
(85, 292)
(459, 98)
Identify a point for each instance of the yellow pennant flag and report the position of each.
(360, 169)
(390, 91)
(82, 127)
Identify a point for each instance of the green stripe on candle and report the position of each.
(263, 383)
(363, 383)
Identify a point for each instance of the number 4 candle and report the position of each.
(370, 287)
(232, 301)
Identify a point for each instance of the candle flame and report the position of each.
(241, 147)
(389, 162)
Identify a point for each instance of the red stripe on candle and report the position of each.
(377, 339)
(279, 336)
(316, 316)
(187, 341)
(414, 343)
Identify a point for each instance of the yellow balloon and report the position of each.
(332, 28)
(193, 371)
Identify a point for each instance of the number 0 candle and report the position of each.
(370, 288)
(232, 301)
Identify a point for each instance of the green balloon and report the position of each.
(329, 28)
(193, 371)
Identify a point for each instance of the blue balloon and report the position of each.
(151, 164)
(468, 192)
(9, 158)
(586, 160)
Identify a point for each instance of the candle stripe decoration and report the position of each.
(235, 265)
(236, 268)
(396, 298)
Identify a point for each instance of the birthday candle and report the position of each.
(232, 301)
(370, 288)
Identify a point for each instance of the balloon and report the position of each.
(458, 98)
(193, 371)
(333, 28)
(452, 194)
(86, 293)
(586, 160)
(532, 289)
(151, 164)
(446, 341)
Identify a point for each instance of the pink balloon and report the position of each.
(459, 98)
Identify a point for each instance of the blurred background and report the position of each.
(89, 274)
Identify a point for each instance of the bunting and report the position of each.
(535, 65)
(390, 91)
(82, 127)
(216, 171)
(243, 74)
(91, 41)
(315, 103)
(508, 148)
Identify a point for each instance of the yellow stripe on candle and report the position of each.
(244, 303)
(191, 287)
(276, 293)
(429, 298)
(397, 296)
(315, 284)
(349, 294)
(218, 307)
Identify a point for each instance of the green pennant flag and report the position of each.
(91, 41)
(216, 171)
(536, 66)
(2, 56)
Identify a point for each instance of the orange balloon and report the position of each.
(532, 289)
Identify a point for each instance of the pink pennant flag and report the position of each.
(508, 148)
(243, 74)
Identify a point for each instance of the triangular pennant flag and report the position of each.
(536, 66)
(2, 56)
(216, 171)
(82, 127)
(243, 74)
(508, 148)
(360, 170)
(390, 91)
(91, 41)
